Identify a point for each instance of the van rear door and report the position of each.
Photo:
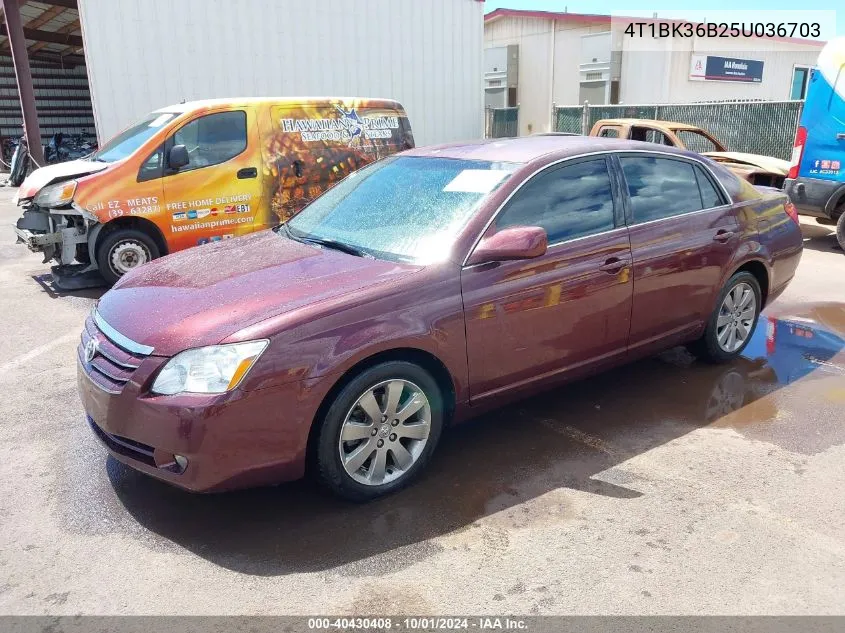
(217, 195)
(316, 144)
(824, 120)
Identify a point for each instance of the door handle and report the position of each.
(723, 236)
(248, 172)
(840, 136)
(614, 265)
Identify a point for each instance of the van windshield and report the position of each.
(402, 208)
(125, 143)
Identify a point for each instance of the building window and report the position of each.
(800, 76)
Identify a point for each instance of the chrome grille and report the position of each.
(112, 365)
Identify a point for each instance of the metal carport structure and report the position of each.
(44, 40)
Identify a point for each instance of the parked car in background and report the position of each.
(202, 171)
(417, 292)
(755, 168)
(816, 181)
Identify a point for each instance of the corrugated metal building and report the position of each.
(141, 55)
(52, 42)
(567, 58)
(145, 54)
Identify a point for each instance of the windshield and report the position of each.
(405, 208)
(132, 138)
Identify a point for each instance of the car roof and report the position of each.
(671, 125)
(242, 101)
(528, 149)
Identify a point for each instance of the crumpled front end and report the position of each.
(52, 223)
(60, 234)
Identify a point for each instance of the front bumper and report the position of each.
(228, 441)
(233, 440)
(54, 232)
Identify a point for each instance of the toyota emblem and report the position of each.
(90, 350)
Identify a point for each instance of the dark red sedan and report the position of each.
(421, 290)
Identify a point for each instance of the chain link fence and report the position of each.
(501, 122)
(756, 127)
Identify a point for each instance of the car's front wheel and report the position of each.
(732, 323)
(122, 250)
(379, 431)
(840, 230)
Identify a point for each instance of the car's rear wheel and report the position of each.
(730, 327)
(122, 250)
(379, 431)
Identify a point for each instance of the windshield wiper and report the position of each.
(288, 233)
(338, 246)
(324, 241)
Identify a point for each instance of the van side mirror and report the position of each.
(516, 242)
(178, 157)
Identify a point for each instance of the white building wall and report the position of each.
(534, 39)
(779, 59)
(656, 71)
(146, 54)
(567, 56)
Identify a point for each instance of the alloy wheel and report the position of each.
(736, 317)
(385, 432)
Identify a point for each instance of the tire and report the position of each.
(19, 166)
(708, 347)
(826, 221)
(381, 470)
(124, 249)
(840, 231)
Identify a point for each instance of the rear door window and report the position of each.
(710, 196)
(607, 131)
(571, 201)
(660, 187)
(213, 139)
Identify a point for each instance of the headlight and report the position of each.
(56, 195)
(213, 369)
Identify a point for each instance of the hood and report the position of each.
(766, 163)
(43, 176)
(204, 294)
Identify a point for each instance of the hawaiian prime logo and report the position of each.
(348, 126)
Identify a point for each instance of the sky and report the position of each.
(716, 9)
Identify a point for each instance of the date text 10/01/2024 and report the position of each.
(664, 29)
(419, 623)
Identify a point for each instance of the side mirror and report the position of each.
(516, 242)
(178, 157)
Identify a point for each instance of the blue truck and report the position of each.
(816, 179)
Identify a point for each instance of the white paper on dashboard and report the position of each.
(476, 180)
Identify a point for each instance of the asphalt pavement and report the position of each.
(664, 487)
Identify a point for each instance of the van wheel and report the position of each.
(122, 250)
(730, 327)
(840, 230)
(380, 431)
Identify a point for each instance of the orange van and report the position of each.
(198, 172)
